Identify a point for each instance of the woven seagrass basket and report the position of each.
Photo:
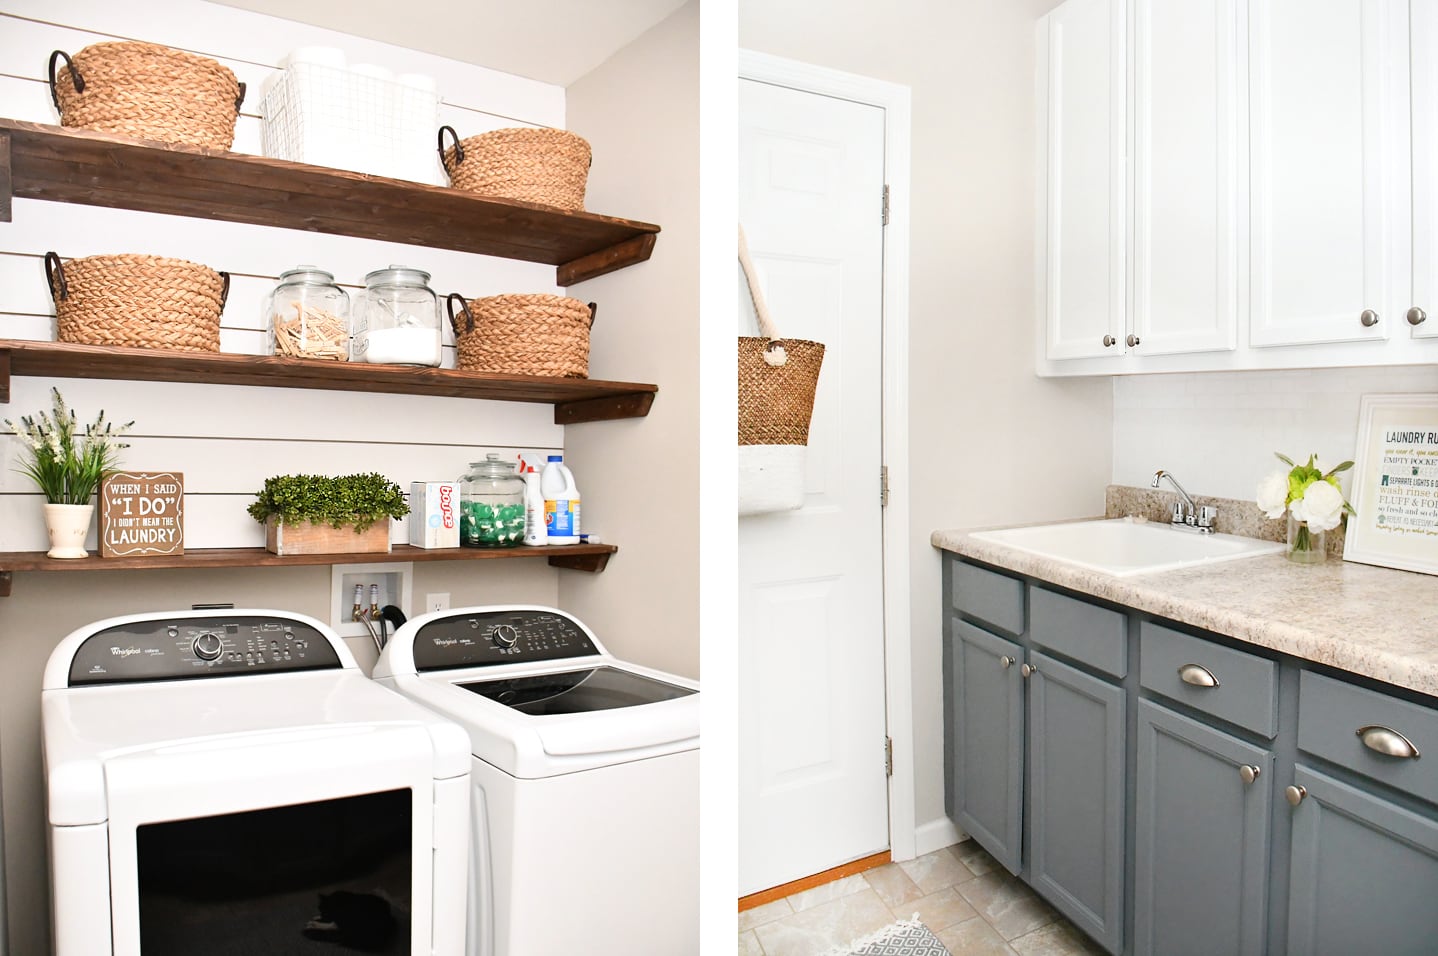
(547, 166)
(532, 334)
(133, 301)
(147, 91)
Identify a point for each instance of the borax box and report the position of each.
(434, 514)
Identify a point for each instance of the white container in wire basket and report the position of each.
(359, 118)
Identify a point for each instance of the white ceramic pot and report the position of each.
(68, 525)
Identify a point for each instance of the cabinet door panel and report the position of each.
(1327, 129)
(987, 781)
(1076, 776)
(1362, 873)
(1424, 93)
(1085, 226)
(1201, 838)
(1187, 145)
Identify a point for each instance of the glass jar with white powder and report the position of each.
(396, 319)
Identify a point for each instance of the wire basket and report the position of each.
(135, 301)
(532, 334)
(147, 91)
(538, 165)
(331, 116)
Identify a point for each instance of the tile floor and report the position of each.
(961, 894)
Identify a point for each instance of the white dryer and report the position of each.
(585, 831)
(229, 782)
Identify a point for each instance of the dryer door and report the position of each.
(319, 840)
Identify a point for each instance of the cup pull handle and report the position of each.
(1197, 675)
(1388, 742)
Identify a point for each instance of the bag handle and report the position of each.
(59, 291)
(75, 77)
(458, 151)
(774, 353)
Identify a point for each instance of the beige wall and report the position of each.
(639, 478)
(989, 442)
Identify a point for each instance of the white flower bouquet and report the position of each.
(66, 464)
(1312, 499)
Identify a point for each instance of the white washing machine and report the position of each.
(229, 782)
(585, 828)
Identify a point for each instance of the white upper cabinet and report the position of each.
(1188, 140)
(1083, 287)
(1420, 311)
(1275, 181)
(1328, 162)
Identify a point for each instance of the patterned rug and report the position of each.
(908, 938)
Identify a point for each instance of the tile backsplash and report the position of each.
(1217, 431)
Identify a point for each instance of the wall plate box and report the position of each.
(434, 514)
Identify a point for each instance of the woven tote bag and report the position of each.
(777, 381)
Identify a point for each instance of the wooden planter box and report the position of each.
(308, 538)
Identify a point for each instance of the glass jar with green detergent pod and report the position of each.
(491, 505)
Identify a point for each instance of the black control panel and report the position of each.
(183, 648)
(499, 637)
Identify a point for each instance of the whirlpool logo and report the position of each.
(124, 651)
(446, 505)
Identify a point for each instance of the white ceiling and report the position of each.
(554, 41)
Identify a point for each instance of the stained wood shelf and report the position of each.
(575, 400)
(575, 557)
(80, 166)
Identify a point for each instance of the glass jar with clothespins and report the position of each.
(309, 316)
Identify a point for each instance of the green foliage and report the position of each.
(1304, 475)
(66, 465)
(358, 500)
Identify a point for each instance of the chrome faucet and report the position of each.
(1186, 514)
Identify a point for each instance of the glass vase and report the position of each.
(1305, 546)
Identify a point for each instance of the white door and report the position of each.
(1420, 315)
(1081, 44)
(1327, 128)
(813, 789)
(1187, 145)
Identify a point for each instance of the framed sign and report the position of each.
(1395, 484)
(142, 513)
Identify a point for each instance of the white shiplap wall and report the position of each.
(228, 439)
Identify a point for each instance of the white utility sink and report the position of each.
(1123, 547)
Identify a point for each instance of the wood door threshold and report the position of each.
(809, 882)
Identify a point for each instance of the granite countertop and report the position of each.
(1372, 621)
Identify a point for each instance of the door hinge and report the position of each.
(883, 486)
(884, 218)
(888, 756)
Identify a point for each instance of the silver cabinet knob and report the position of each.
(1006, 661)
(1294, 795)
(1249, 773)
(1028, 670)
(1416, 316)
(1109, 341)
(1132, 340)
(1196, 675)
(1388, 742)
(1369, 318)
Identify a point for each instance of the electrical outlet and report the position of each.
(436, 602)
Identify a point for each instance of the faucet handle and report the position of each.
(1207, 514)
(1178, 517)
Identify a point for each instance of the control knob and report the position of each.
(208, 646)
(505, 635)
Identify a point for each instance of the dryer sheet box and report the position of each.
(434, 514)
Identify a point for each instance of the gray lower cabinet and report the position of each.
(1076, 796)
(1201, 838)
(986, 768)
(1363, 873)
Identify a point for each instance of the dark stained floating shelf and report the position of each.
(96, 169)
(576, 557)
(575, 400)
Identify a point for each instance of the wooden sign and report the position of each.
(142, 513)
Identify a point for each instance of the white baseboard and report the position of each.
(937, 834)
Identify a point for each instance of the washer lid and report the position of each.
(576, 691)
